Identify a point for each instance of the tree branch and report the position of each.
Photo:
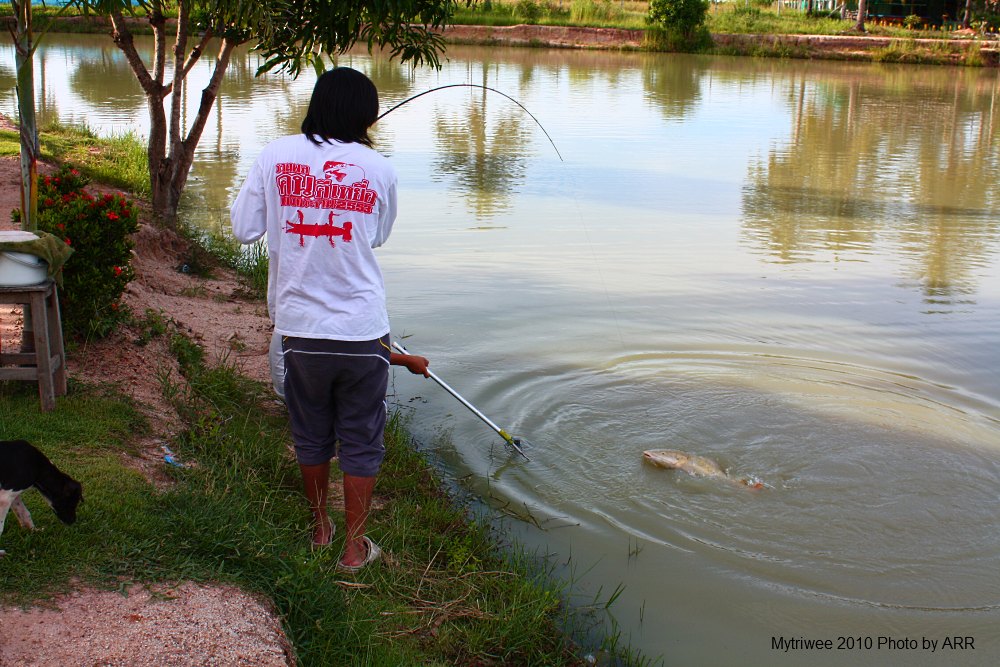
(177, 93)
(157, 21)
(196, 52)
(123, 39)
(209, 94)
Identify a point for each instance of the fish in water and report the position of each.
(692, 464)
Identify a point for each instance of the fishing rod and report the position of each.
(478, 85)
(508, 438)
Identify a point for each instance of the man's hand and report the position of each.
(413, 363)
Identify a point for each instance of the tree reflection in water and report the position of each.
(864, 165)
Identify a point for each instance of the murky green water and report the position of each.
(790, 267)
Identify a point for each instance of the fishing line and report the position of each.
(576, 202)
(509, 439)
(478, 85)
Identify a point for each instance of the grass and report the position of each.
(208, 250)
(119, 160)
(739, 18)
(588, 13)
(452, 593)
(446, 595)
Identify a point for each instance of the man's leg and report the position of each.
(357, 504)
(316, 479)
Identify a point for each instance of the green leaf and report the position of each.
(318, 64)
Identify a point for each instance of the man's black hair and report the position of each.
(344, 105)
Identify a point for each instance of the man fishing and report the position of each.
(326, 199)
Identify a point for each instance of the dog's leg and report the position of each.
(22, 514)
(6, 498)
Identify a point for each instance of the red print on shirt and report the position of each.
(343, 187)
(329, 229)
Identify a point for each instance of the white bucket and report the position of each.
(20, 268)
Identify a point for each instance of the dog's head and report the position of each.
(66, 499)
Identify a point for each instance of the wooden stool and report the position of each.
(47, 364)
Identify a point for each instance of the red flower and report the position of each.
(61, 227)
(68, 243)
(118, 271)
(48, 201)
(112, 216)
(74, 172)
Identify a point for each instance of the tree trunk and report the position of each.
(28, 131)
(862, 10)
(967, 16)
(170, 153)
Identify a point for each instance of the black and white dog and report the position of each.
(22, 467)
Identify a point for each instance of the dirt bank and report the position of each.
(179, 623)
(962, 49)
(542, 35)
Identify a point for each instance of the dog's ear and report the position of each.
(72, 488)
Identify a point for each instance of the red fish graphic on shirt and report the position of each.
(329, 229)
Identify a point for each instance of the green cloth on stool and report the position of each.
(51, 248)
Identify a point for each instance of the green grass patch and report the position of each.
(763, 18)
(119, 160)
(754, 19)
(585, 13)
(444, 595)
(208, 250)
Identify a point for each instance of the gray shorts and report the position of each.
(335, 391)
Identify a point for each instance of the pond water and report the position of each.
(792, 268)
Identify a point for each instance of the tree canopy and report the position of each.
(290, 34)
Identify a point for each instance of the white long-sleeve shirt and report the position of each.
(324, 209)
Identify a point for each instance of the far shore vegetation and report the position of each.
(454, 591)
(761, 17)
(733, 16)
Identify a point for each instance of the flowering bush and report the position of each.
(99, 229)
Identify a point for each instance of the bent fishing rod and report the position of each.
(483, 87)
(508, 438)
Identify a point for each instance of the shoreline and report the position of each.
(964, 50)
